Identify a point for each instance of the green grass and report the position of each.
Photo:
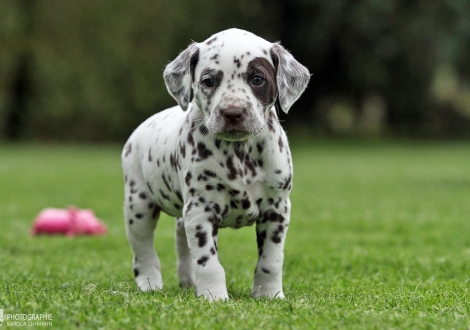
(379, 239)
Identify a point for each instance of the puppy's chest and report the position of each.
(237, 204)
(237, 182)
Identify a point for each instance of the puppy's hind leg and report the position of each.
(141, 216)
(184, 262)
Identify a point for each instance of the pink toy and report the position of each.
(70, 222)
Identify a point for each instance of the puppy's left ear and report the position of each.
(179, 75)
(291, 78)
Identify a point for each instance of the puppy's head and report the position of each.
(235, 78)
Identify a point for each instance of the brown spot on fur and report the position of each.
(267, 91)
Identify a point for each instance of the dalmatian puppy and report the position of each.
(219, 159)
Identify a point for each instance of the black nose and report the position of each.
(233, 115)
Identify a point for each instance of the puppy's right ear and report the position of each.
(179, 75)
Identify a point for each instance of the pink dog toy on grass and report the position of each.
(70, 222)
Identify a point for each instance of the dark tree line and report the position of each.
(79, 70)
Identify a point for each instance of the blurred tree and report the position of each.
(15, 60)
(80, 70)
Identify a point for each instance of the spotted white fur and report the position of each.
(224, 162)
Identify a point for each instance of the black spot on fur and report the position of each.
(203, 129)
(210, 173)
(280, 143)
(143, 195)
(183, 150)
(202, 177)
(273, 217)
(275, 236)
(202, 238)
(209, 42)
(203, 152)
(165, 196)
(237, 62)
(190, 138)
(180, 197)
(260, 237)
(250, 166)
(264, 270)
(240, 153)
(188, 208)
(150, 188)
(188, 177)
(246, 203)
(136, 272)
(238, 221)
(225, 211)
(202, 260)
(174, 161)
(139, 215)
(234, 192)
(215, 225)
(233, 204)
(156, 211)
(128, 149)
(232, 170)
(286, 183)
(166, 182)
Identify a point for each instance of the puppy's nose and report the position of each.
(233, 115)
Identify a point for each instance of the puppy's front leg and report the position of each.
(271, 232)
(201, 231)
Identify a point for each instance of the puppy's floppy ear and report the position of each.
(179, 75)
(291, 77)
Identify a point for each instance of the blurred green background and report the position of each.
(92, 70)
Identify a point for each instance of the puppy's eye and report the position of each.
(257, 80)
(209, 82)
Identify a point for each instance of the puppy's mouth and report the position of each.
(233, 135)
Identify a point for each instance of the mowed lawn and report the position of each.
(379, 239)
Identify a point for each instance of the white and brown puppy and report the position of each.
(219, 159)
